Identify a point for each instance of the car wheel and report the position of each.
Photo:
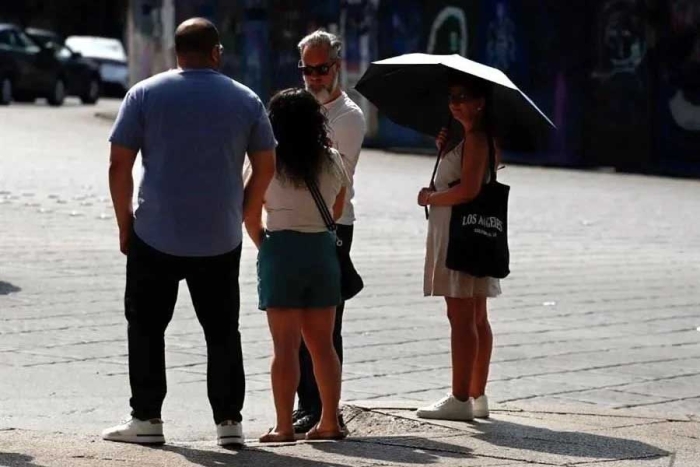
(5, 91)
(58, 93)
(92, 92)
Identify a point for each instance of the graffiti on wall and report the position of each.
(621, 39)
(679, 95)
(619, 125)
(684, 103)
(449, 32)
(501, 46)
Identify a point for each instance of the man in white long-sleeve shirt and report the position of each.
(320, 66)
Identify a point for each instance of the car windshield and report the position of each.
(42, 39)
(97, 47)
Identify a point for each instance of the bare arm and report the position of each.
(262, 166)
(121, 187)
(339, 204)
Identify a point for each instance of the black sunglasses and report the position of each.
(460, 98)
(320, 70)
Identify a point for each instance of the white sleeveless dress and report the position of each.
(439, 281)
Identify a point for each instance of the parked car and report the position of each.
(44, 37)
(82, 74)
(111, 57)
(29, 70)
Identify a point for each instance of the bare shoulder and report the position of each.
(476, 146)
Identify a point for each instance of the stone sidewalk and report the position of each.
(601, 309)
(388, 435)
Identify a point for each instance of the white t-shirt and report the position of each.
(347, 131)
(293, 208)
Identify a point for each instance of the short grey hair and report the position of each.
(322, 38)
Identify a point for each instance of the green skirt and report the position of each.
(298, 270)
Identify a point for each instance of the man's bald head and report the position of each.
(196, 36)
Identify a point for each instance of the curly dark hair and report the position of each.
(300, 127)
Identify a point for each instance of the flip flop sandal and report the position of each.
(271, 437)
(315, 435)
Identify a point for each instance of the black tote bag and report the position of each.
(478, 239)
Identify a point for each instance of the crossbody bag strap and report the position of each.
(321, 205)
(492, 157)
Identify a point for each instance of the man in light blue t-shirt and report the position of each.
(193, 127)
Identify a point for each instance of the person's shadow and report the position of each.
(6, 288)
(399, 449)
(11, 459)
(564, 443)
(419, 450)
(246, 456)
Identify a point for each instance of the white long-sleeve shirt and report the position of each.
(347, 131)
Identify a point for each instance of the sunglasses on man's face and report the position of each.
(319, 70)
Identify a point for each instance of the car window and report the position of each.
(24, 42)
(7, 38)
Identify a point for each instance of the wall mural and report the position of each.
(679, 95)
(501, 46)
(621, 78)
(685, 102)
(618, 131)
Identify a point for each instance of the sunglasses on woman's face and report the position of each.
(459, 98)
(319, 70)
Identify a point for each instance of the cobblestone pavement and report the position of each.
(601, 308)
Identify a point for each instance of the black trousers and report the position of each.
(152, 280)
(307, 392)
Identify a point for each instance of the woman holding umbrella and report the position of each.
(468, 206)
(461, 172)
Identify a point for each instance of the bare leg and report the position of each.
(285, 327)
(464, 340)
(480, 372)
(317, 328)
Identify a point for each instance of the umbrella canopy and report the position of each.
(412, 91)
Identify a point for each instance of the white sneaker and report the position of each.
(229, 433)
(481, 407)
(448, 408)
(136, 431)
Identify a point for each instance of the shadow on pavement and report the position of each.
(10, 459)
(6, 288)
(399, 449)
(563, 443)
(247, 456)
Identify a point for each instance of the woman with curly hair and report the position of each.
(298, 269)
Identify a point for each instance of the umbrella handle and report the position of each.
(437, 162)
(432, 182)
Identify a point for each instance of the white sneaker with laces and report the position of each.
(136, 431)
(448, 408)
(229, 433)
(481, 407)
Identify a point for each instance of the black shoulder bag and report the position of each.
(350, 281)
(478, 243)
